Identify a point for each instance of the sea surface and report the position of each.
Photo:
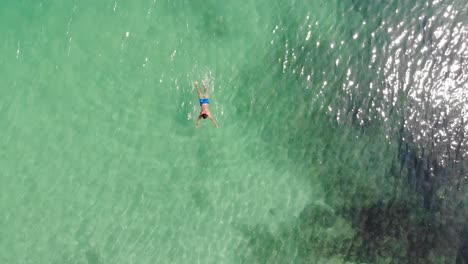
(342, 131)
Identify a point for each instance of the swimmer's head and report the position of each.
(204, 116)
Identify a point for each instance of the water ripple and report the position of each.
(425, 62)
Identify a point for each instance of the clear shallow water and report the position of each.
(341, 140)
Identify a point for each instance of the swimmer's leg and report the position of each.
(198, 91)
(206, 89)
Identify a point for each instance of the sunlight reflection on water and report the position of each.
(429, 65)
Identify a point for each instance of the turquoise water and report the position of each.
(342, 132)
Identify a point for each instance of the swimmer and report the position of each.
(204, 103)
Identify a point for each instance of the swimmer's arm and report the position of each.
(198, 121)
(214, 122)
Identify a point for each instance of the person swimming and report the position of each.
(204, 103)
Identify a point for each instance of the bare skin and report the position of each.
(205, 108)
